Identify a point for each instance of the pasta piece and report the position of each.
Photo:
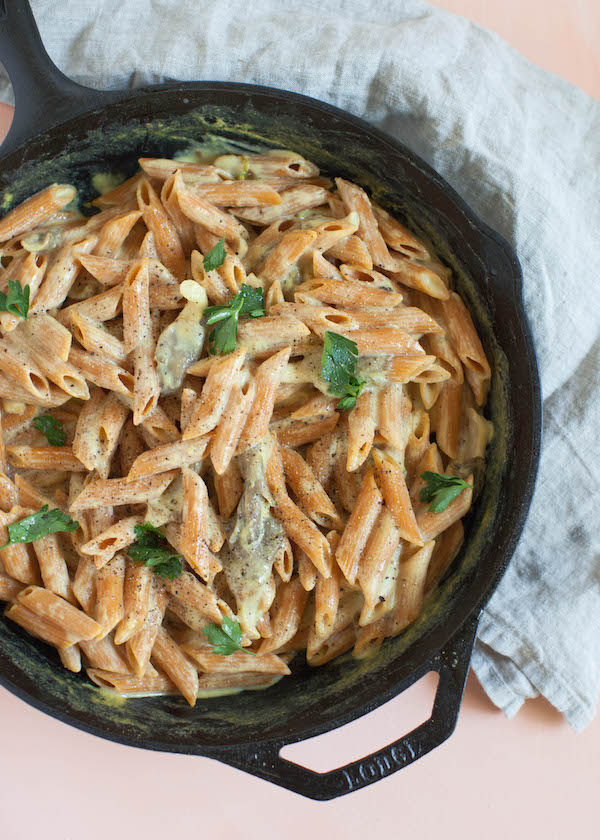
(346, 292)
(136, 600)
(356, 199)
(183, 225)
(138, 341)
(383, 542)
(139, 646)
(84, 584)
(292, 201)
(194, 528)
(103, 653)
(308, 491)
(53, 568)
(157, 220)
(120, 491)
(61, 276)
(335, 645)
(275, 162)
(288, 611)
(18, 367)
(240, 661)
(44, 458)
(447, 546)
(394, 409)
(9, 588)
(432, 524)
(468, 345)
(445, 416)
(227, 434)
(267, 380)
(37, 625)
(298, 432)
(264, 336)
(215, 394)
(31, 273)
(206, 214)
(361, 431)
(59, 612)
(396, 497)
(101, 371)
(417, 276)
(105, 545)
(285, 255)
(191, 591)
(110, 579)
(398, 237)
(320, 456)
(71, 658)
(411, 588)
(161, 169)
(228, 487)
(168, 655)
(358, 528)
(351, 250)
(114, 232)
(163, 459)
(36, 210)
(236, 193)
(303, 533)
(317, 317)
(327, 596)
(95, 339)
(152, 685)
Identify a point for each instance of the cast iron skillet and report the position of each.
(65, 132)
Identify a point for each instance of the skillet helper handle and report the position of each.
(452, 665)
(44, 97)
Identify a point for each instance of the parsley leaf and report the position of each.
(441, 489)
(222, 337)
(216, 256)
(39, 525)
(226, 638)
(153, 550)
(16, 300)
(245, 169)
(338, 366)
(51, 429)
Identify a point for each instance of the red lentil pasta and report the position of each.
(252, 371)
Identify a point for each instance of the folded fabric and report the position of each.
(521, 146)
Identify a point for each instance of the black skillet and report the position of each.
(65, 132)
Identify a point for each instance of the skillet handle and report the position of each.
(452, 665)
(44, 97)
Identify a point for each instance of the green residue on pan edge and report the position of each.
(112, 149)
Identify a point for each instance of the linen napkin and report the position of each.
(523, 148)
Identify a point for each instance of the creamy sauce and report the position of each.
(167, 507)
(104, 182)
(254, 541)
(180, 345)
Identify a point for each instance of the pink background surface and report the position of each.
(529, 777)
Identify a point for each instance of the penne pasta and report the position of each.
(267, 480)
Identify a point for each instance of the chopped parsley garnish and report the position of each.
(16, 300)
(441, 489)
(51, 429)
(153, 550)
(338, 368)
(222, 337)
(226, 638)
(216, 256)
(39, 525)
